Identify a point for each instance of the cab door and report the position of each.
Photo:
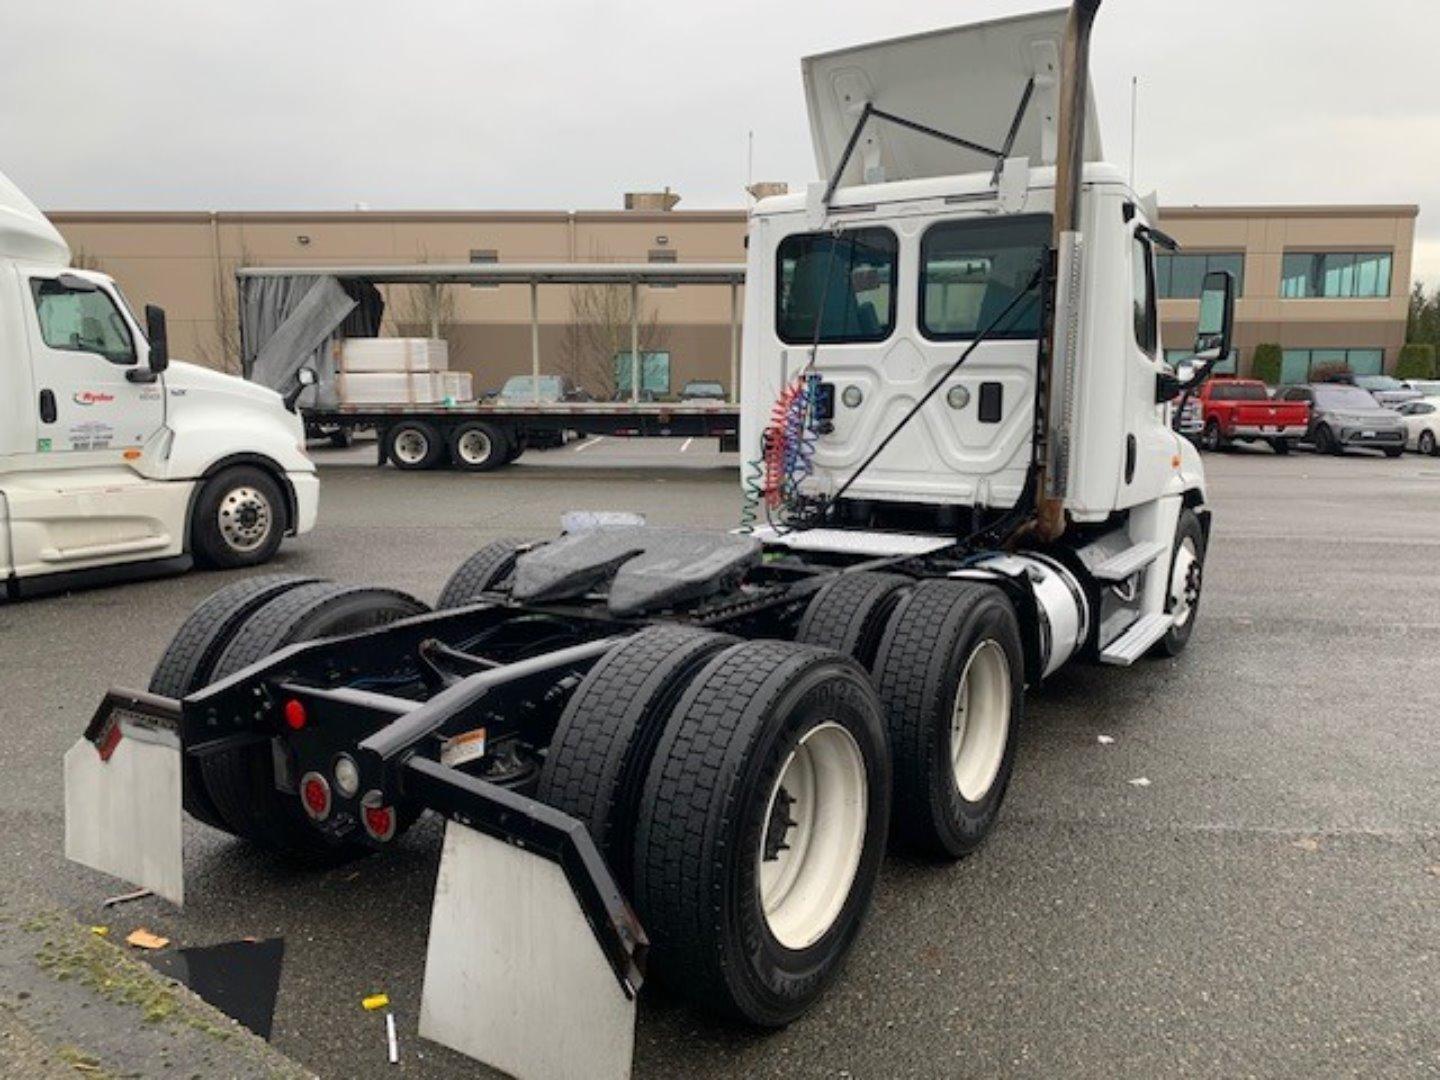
(84, 499)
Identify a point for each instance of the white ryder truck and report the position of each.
(687, 752)
(115, 463)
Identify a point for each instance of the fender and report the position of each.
(259, 461)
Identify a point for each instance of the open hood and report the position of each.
(967, 81)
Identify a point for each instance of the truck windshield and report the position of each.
(852, 276)
(970, 271)
(1238, 392)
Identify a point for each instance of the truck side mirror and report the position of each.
(305, 377)
(159, 336)
(1217, 317)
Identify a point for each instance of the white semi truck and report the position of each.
(114, 462)
(687, 752)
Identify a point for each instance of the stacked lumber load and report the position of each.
(399, 371)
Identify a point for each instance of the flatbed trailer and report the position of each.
(480, 436)
(418, 436)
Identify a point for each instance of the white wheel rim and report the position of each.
(980, 724)
(475, 447)
(813, 836)
(245, 518)
(411, 446)
(1182, 598)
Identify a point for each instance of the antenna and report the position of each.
(1134, 112)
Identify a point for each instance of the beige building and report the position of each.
(1327, 283)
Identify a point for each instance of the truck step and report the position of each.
(1134, 642)
(1120, 566)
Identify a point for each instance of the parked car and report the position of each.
(1422, 425)
(1241, 410)
(702, 390)
(1343, 416)
(1427, 387)
(520, 390)
(1388, 390)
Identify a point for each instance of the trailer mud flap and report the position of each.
(122, 793)
(514, 974)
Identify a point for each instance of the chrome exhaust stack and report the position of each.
(1058, 384)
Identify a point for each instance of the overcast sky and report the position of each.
(320, 104)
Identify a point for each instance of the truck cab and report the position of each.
(115, 463)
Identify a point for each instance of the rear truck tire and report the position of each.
(596, 765)
(762, 828)
(1212, 439)
(1325, 441)
(850, 612)
(1280, 446)
(1427, 445)
(1187, 577)
(1394, 451)
(517, 446)
(414, 445)
(951, 673)
(487, 569)
(476, 446)
(239, 519)
(185, 665)
(341, 438)
(242, 783)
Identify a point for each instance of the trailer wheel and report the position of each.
(487, 569)
(476, 446)
(414, 445)
(242, 783)
(596, 764)
(1187, 571)
(850, 612)
(239, 518)
(951, 674)
(187, 661)
(762, 828)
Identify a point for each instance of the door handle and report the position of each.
(47, 406)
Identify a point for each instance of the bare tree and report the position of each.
(599, 331)
(426, 310)
(84, 260)
(222, 352)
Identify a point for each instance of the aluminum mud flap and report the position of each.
(533, 961)
(122, 793)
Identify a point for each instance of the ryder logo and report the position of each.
(92, 397)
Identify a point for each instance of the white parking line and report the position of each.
(685, 445)
(587, 445)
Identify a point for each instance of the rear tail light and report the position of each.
(295, 717)
(315, 795)
(379, 819)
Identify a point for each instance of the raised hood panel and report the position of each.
(25, 233)
(966, 81)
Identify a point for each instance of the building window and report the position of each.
(1228, 366)
(1142, 292)
(1298, 364)
(971, 271)
(1335, 274)
(654, 374)
(663, 255)
(1180, 275)
(484, 255)
(835, 289)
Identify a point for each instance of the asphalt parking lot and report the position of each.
(1267, 904)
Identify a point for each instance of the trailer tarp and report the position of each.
(287, 322)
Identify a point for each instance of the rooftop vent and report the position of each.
(651, 200)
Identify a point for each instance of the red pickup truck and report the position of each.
(1232, 409)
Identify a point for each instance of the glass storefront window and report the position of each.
(1335, 275)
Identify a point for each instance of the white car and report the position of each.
(1422, 425)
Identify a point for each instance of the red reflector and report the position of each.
(295, 714)
(315, 794)
(379, 820)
